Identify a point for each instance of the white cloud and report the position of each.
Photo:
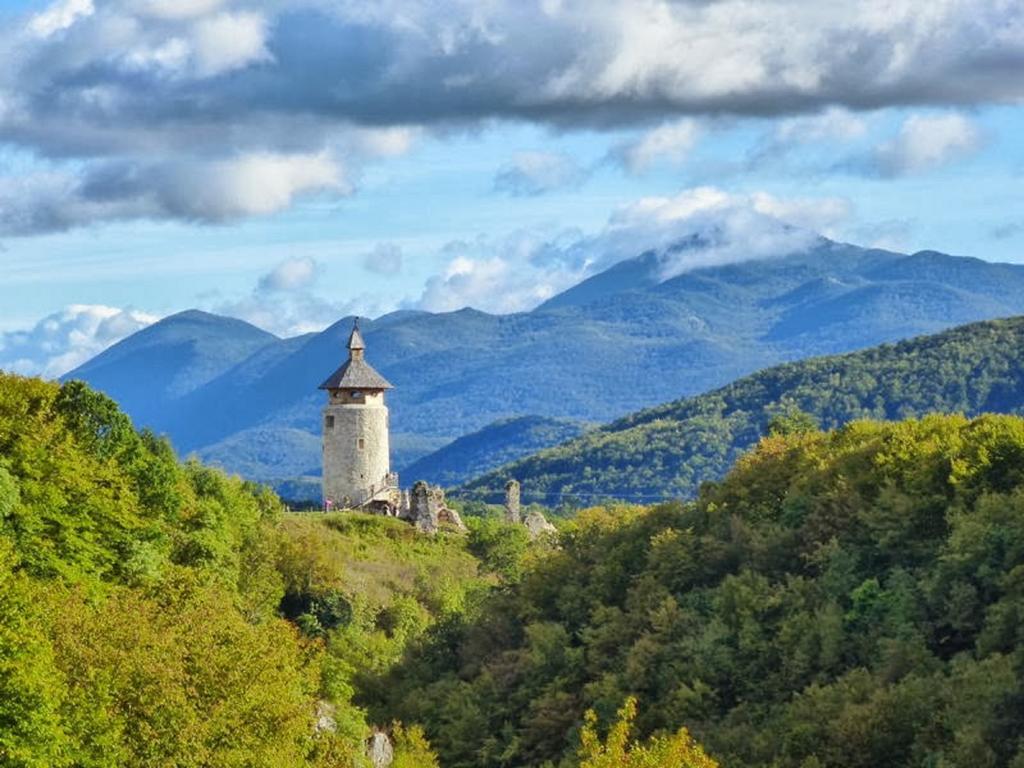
(501, 280)
(384, 259)
(193, 82)
(926, 142)
(173, 9)
(59, 17)
(534, 173)
(834, 124)
(699, 227)
(229, 41)
(66, 339)
(212, 191)
(668, 144)
(285, 301)
(249, 185)
(291, 275)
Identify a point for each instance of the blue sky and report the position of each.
(292, 162)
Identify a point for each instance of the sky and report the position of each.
(293, 162)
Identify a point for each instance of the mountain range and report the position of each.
(668, 451)
(622, 340)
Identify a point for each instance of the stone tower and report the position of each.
(357, 468)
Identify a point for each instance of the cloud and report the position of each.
(208, 192)
(285, 301)
(668, 144)
(699, 227)
(155, 83)
(833, 124)
(291, 275)
(385, 259)
(512, 274)
(229, 41)
(66, 339)
(59, 16)
(534, 173)
(927, 142)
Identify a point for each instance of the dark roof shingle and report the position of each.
(356, 374)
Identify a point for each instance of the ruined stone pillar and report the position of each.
(512, 508)
(423, 508)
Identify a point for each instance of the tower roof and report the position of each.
(355, 341)
(356, 373)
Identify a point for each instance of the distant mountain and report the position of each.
(494, 445)
(670, 450)
(622, 340)
(159, 365)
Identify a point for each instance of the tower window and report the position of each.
(361, 443)
(329, 422)
(356, 394)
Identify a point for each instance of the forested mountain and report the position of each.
(669, 450)
(843, 600)
(494, 445)
(622, 340)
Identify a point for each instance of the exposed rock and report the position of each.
(325, 722)
(537, 525)
(423, 508)
(379, 750)
(449, 518)
(513, 513)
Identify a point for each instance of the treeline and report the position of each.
(144, 604)
(843, 599)
(670, 450)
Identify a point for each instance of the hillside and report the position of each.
(620, 341)
(670, 450)
(843, 600)
(491, 447)
(154, 613)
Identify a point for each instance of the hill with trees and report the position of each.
(670, 450)
(154, 613)
(841, 600)
(622, 340)
(496, 444)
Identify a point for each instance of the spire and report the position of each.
(355, 341)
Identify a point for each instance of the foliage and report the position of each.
(677, 751)
(840, 599)
(668, 451)
(140, 602)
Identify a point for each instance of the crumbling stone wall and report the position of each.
(428, 510)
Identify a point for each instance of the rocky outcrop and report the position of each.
(537, 525)
(379, 750)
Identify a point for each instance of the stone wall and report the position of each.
(350, 472)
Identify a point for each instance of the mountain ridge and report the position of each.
(592, 355)
(669, 450)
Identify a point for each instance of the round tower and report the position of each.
(356, 462)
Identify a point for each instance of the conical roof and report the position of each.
(356, 373)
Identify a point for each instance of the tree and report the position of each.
(617, 751)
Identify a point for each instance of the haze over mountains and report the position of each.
(617, 342)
